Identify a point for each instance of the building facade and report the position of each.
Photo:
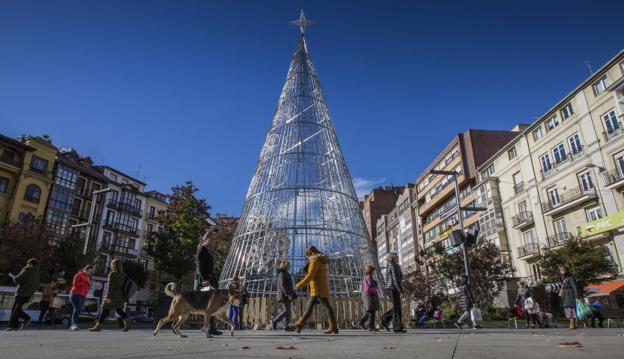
(380, 201)
(564, 173)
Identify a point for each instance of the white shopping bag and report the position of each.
(475, 315)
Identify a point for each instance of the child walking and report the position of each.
(235, 294)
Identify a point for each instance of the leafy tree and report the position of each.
(422, 287)
(174, 248)
(136, 272)
(488, 272)
(587, 262)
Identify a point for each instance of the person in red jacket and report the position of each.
(77, 294)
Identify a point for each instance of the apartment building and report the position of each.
(378, 202)
(156, 204)
(563, 176)
(436, 204)
(25, 177)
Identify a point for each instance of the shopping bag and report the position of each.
(437, 314)
(475, 315)
(519, 310)
(582, 309)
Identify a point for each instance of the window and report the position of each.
(32, 194)
(512, 153)
(528, 237)
(593, 213)
(66, 176)
(575, 144)
(38, 164)
(8, 156)
(560, 226)
(619, 162)
(518, 183)
(553, 196)
(538, 134)
(75, 211)
(585, 182)
(152, 212)
(600, 85)
(522, 207)
(610, 121)
(95, 187)
(552, 123)
(4, 184)
(545, 162)
(57, 220)
(110, 217)
(24, 218)
(61, 199)
(559, 153)
(567, 111)
(487, 172)
(80, 186)
(149, 230)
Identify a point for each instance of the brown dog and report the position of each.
(209, 303)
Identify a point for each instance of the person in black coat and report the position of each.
(394, 280)
(466, 302)
(285, 295)
(205, 261)
(569, 294)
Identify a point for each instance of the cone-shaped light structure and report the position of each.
(301, 194)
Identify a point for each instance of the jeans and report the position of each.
(464, 316)
(369, 317)
(395, 314)
(44, 308)
(17, 313)
(105, 312)
(284, 315)
(77, 301)
(312, 302)
(233, 315)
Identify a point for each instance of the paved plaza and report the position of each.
(431, 343)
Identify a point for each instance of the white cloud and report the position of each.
(363, 186)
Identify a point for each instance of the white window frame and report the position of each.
(576, 146)
(530, 240)
(559, 151)
(619, 162)
(601, 85)
(610, 121)
(548, 163)
(512, 153)
(552, 123)
(538, 134)
(594, 213)
(586, 183)
(554, 200)
(560, 226)
(567, 111)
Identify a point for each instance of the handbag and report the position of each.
(475, 315)
(370, 290)
(437, 314)
(582, 309)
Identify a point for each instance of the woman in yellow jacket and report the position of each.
(319, 288)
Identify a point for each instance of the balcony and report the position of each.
(111, 247)
(522, 220)
(529, 250)
(614, 178)
(613, 133)
(125, 207)
(122, 228)
(568, 200)
(519, 187)
(559, 239)
(557, 166)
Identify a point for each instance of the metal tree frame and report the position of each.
(301, 194)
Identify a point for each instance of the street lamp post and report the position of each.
(459, 213)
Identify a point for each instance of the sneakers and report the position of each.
(385, 325)
(74, 327)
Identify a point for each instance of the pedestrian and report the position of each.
(235, 293)
(241, 307)
(27, 284)
(205, 263)
(524, 293)
(45, 305)
(569, 294)
(394, 280)
(114, 298)
(285, 295)
(370, 299)
(466, 302)
(596, 313)
(80, 287)
(318, 282)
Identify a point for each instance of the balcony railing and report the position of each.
(613, 133)
(114, 248)
(120, 227)
(569, 199)
(125, 207)
(522, 219)
(519, 187)
(559, 239)
(613, 176)
(528, 249)
(555, 167)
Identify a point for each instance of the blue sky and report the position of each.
(175, 90)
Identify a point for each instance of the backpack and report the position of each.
(129, 288)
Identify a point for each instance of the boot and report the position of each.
(96, 328)
(126, 324)
(298, 326)
(572, 325)
(333, 327)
